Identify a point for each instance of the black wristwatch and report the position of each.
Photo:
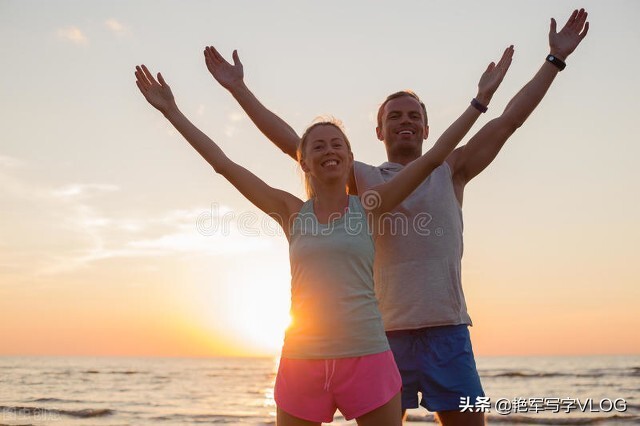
(556, 61)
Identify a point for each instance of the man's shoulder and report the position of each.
(363, 166)
(390, 169)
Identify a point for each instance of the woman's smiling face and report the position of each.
(326, 155)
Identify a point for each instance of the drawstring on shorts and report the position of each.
(327, 376)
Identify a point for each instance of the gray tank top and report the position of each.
(418, 258)
(333, 305)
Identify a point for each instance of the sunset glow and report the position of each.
(116, 238)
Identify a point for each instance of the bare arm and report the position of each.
(278, 204)
(468, 161)
(231, 77)
(407, 180)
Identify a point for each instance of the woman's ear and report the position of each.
(303, 166)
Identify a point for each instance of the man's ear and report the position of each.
(379, 133)
(426, 132)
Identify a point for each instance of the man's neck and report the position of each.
(402, 158)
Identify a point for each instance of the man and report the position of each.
(418, 267)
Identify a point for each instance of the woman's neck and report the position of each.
(329, 202)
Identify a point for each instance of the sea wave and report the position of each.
(65, 401)
(539, 375)
(203, 418)
(591, 373)
(127, 372)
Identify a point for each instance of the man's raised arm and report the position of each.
(468, 161)
(231, 77)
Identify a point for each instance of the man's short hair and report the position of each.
(399, 95)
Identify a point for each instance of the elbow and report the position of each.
(220, 167)
(512, 121)
(514, 124)
(437, 161)
(434, 158)
(293, 153)
(217, 169)
(291, 149)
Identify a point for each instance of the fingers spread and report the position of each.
(148, 74)
(584, 32)
(161, 80)
(140, 86)
(508, 52)
(210, 55)
(571, 18)
(505, 61)
(141, 79)
(578, 21)
(216, 55)
(581, 21)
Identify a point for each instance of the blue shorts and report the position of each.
(439, 363)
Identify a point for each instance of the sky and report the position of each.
(117, 239)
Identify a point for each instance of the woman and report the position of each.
(335, 354)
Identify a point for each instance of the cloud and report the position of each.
(51, 230)
(14, 186)
(7, 162)
(74, 35)
(79, 189)
(116, 27)
(173, 233)
(235, 116)
(192, 242)
(229, 131)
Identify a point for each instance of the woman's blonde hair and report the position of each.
(319, 121)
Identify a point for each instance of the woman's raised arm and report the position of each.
(277, 203)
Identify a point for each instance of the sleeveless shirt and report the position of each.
(333, 305)
(418, 256)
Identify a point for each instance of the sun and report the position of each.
(249, 307)
(261, 311)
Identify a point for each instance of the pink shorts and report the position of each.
(312, 389)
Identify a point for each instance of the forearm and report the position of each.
(405, 182)
(482, 149)
(272, 126)
(561, 45)
(454, 134)
(528, 98)
(484, 146)
(418, 170)
(206, 147)
(412, 175)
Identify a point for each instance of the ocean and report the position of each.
(88, 391)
